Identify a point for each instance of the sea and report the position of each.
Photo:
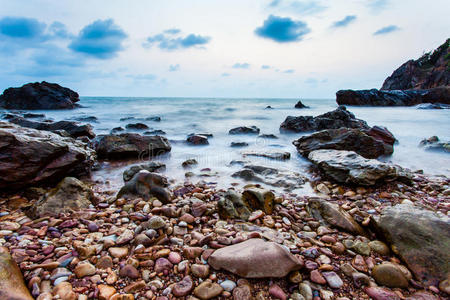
(183, 116)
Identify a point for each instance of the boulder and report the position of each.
(421, 238)
(130, 145)
(244, 130)
(72, 128)
(33, 157)
(146, 185)
(300, 105)
(231, 206)
(337, 118)
(350, 167)
(255, 258)
(151, 166)
(343, 139)
(434, 144)
(137, 126)
(12, 285)
(41, 95)
(197, 139)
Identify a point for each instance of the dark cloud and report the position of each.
(310, 7)
(386, 30)
(344, 22)
(174, 68)
(241, 66)
(167, 41)
(21, 28)
(282, 30)
(101, 39)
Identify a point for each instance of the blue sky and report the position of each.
(212, 48)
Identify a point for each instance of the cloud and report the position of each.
(101, 39)
(282, 30)
(290, 71)
(174, 68)
(21, 28)
(59, 30)
(166, 41)
(386, 30)
(344, 22)
(265, 67)
(241, 66)
(310, 7)
(377, 6)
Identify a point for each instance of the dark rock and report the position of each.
(269, 107)
(382, 134)
(434, 144)
(145, 184)
(37, 95)
(33, 116)
(238, 144)
(72, 128)
(247, 175)
(433, 106)
(343, 139)
(155, 119)
(137, 126)
(300, 105)
(92, 119)
(152, 166)
(130, 145)
(269, 154)
(189, 163)
(268, 136)
(376, 97)
(197, 140)
(29, 156)
(117, 129)
(335, 119)
(244, 130)
(155, 132)
(231, 206)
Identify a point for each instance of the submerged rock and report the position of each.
(269, 154)
(12, 285)
(197, 139)
(434, 144)
(29, 156)
(189, 163)
(39, 95)
(421, 238)
(255, 258)
(433, 106)
(136, 126)
(300, 105)
(238, 144)
(349, 167)
(146, 184)
(151, 166)
(245, 130)
(338, 118)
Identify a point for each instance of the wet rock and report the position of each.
(378, 293)
(256, 198)
(162, 264)
(64, 291)
(300, 105)
(152, 166)
(242, 292)
(420, 238)
(146, 184)
(389, 275)
(434, 144)
(200, 271)
(155, 132)
(197, 140)
(276, 292)
(350, 167)
(183, 288)
(129, 271)
(189, 163)
(69, 195)
(105, 291)
(433, 106)
(379, 247)
(272, 260)
(207, 290)
(136, 126)
(39, 95)
(238, 144)
(130, 145)
(333, 280)
(232, 206)
(125, 237)
(31, 157)
(335, 119)
(269, 154)
(118, 252)
(12, 285)
(84, 269)
(244, 130)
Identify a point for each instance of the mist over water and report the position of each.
(182, 116)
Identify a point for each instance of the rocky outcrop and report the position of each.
(421, 238)
(151, 166)
(434, 144)
(337, 118)
(146, 185)
(429, 71)
(33, 157)
(69, 195)
(349, 167)
(72, 128)
(41, 95)
(12, 285)
(300, 105)
(244, 130)
(344, 139)
(130, 145)
(376, 97)
(255, 258)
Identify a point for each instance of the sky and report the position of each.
(212, 48)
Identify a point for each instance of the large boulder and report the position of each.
(350, 167)
(41, 95)
(12, 285)
(69, 195)
(337, 118)
(376, 97)
(255, 258)
(421, 238)
(72, 128)
(344, 139)
(146, 184)
(130, 145)
(33, 157)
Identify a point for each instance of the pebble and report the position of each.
(84, 269)
(174, 257)
(228, 285)
(156, 222)
(333, 280)
(276, 292)
(183, 288)
(389, 275)
(317, 277)
(118, 252)
(201, 271)
(105, 291)
(207, 290)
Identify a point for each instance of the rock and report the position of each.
(444, 286)
(420, 238)
(155, 222)
(422, 295)
(433, 106)
(332, 214)
(238, 144)
(300, 105)
(376, 97)
(84, 269)
(125, 237)
(434, 144)
(207, 290)
(231, 206)
(389, 275)
(129, 271)
(244, 130)
(183, 288)
(152, 166)
(130, 145)
(349, 167)
(228, 285)
(333, 280)
(69, 195)
(242, 292)
(32, 157)
(12, 285)
(64, 291)
(276, 292)
(189, 163)
(378, 293)
(155, 132)
(106, 262)
(344, 139)
(200, 271)
(41, 95)
(72, 128)
(136, 126)
(105, 291)
(162, 264)
(118, 252)
(197, 140)
(146, 184)
(379, 247)
(429, 71)
(269, 154)
(255, 258)
(335, 119)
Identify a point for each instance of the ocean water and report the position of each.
(182, 116)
